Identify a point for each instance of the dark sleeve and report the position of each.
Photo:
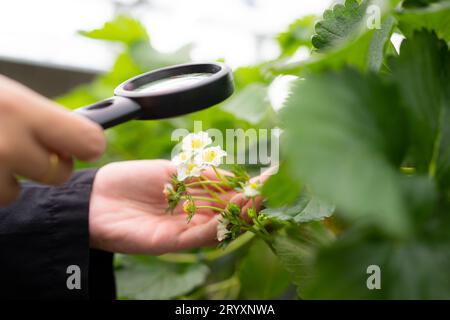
(44, 245)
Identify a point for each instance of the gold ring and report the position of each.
(53, 168)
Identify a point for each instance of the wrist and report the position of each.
(94, 241)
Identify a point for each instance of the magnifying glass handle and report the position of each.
(112, 111)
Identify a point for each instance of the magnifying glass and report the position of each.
(164, 93)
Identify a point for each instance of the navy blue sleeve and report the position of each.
(44, 245)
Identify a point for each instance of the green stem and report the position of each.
(210, 255)
(214, 185)
(233, 281)
(227, 289)
(211, 193)
(265, 236)
(225, 181)
(219, 175)
(270, 245)
(203, 182)
(258, 223)
(206, 199)
(210, 207)
(432, 167)
(258, 233)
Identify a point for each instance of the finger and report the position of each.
(268, 172)
(249, 204)
(71, 134)
(9, 187)
(38, 165)
(199, 235)
(242, 202)
(245, 204)
(31, 160)
(55, 127)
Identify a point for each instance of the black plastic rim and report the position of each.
(168, 103)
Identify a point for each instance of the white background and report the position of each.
(241, 31)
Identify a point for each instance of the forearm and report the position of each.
(42, 234)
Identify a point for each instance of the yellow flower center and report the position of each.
(183, 156)
(209, 156)
(196, 143)
(190, 167)
(254, 185)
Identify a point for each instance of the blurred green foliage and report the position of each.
(151, 278)
(298, 34)
(366, 137)
(151, 139)
(376, 144)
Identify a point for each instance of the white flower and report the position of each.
(252, 189)
(189, 170)
(222, 230)
(211, 156)
(182, 158)
(196, 141)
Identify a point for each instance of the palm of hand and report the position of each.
(128, 211)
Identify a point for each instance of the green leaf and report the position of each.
(418, 3)
(443, 159)
(379, 44)
(297, 247)
(147, 58)
(250, 104)
(345, 133)
(280, 189)
(122, 29)
(338, 24)
(146, 278)
(422, 196)
(416, 269)
(124, 68)
(352, 43)
(261, 280)
(434, 17)
(411, 269)
(353, 53)
(244, 76)
(298, 34)
(427, 98)
(78, 97)
(306, 208)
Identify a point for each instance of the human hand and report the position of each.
(34, 132)
(128, 211)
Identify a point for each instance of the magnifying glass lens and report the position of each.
(164, 93)
(178, 82)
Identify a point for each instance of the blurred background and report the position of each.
(78, 51)
(41, 46)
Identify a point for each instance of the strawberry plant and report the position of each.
(365, 173)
